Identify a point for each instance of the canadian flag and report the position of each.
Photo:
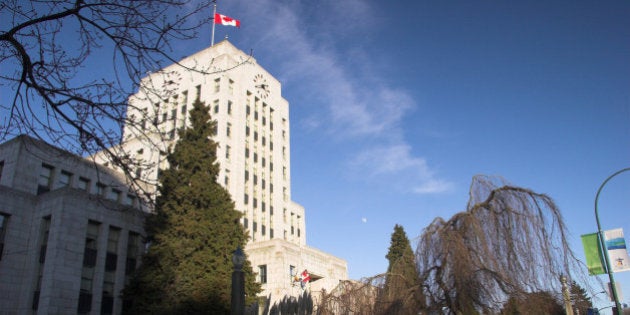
(226, 20)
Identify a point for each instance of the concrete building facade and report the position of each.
(70, 232)
(253, 133)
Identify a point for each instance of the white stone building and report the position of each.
(254, 154)
(70, 232)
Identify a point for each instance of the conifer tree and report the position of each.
(193, 234)
(401, 293)
(580, 299)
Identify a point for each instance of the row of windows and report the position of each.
(49, 179)
(263, 228)
(263, 231)
(90, 254)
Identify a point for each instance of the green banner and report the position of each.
(592, 251)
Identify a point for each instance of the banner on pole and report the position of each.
(592, 251)
(617, 252)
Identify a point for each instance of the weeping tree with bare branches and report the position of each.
(510, 241)
(503, 255)
(68, 66)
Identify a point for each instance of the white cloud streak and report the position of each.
(356, 107)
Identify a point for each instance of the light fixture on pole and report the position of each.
(602, 242)
(238, 283)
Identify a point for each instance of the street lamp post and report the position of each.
(238, 283)
(602, 242)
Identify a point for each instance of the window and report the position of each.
(112, 249)
(246, 199)
(111, 259)
(229, 106)
(45, 178)
(1, 168)
(130, 200)
(101, 189)
(245, 223)
(84, 184)
(270, 233)
(133, 251)
(263, 230)
(227, 152)
(262, 273)
(228, 130)
(44, 230)
(114, 195)
(217, 85)
(216, 106)
(292, 270)
(91, 238)
(65, 178)
(4, 218)
(87, 273)
(184, 100)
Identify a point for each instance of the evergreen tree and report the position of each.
(401, 293)
(195, 230)
(579, 298)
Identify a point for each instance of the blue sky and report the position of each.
(396, 106)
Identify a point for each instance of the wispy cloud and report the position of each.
(359, 107)
(397, 161)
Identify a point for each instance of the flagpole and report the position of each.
(214, 14)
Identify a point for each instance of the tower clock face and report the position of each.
(262, 88)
